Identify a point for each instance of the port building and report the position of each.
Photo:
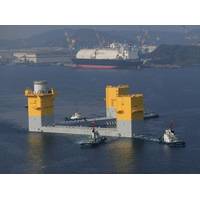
(24, 57)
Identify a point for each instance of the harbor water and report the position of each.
(172, 93)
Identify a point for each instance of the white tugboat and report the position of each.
(75, 117)
(171, 139)
(95, 139)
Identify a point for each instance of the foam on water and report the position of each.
(146, 138)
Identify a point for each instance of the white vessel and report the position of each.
(95, 140)
(171, 139)
(75, 116)
(114, 56)
(169, 136)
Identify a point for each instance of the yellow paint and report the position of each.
(137, 101)
(130, 107)
(112, 92)
(41, 104)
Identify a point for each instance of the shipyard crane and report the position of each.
(100, 40)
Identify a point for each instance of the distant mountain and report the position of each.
(98, 36)
(59, 38)
(47, 39)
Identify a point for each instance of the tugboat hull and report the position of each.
(93, 143)
(174, 144)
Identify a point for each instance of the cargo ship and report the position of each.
(116, 55)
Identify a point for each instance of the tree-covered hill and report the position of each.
(176, 55)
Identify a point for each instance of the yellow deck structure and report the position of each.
(125, 107)
(121, 106)
(40, 107)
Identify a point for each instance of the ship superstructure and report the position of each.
(115, 55)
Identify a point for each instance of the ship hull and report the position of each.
(106, 63)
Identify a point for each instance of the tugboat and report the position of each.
(94, 140)
(150, 115)
(75, 117)
(171, 139)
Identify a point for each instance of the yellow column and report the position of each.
(129, 109)
(112, 92)
(40, 108)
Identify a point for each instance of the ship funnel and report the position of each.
(40, 87)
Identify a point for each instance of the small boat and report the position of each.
(171, 139)
(93, 142)
(75, 117)
(150, 115)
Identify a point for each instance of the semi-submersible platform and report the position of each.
(123, 112)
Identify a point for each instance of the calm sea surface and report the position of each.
(173, 93)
